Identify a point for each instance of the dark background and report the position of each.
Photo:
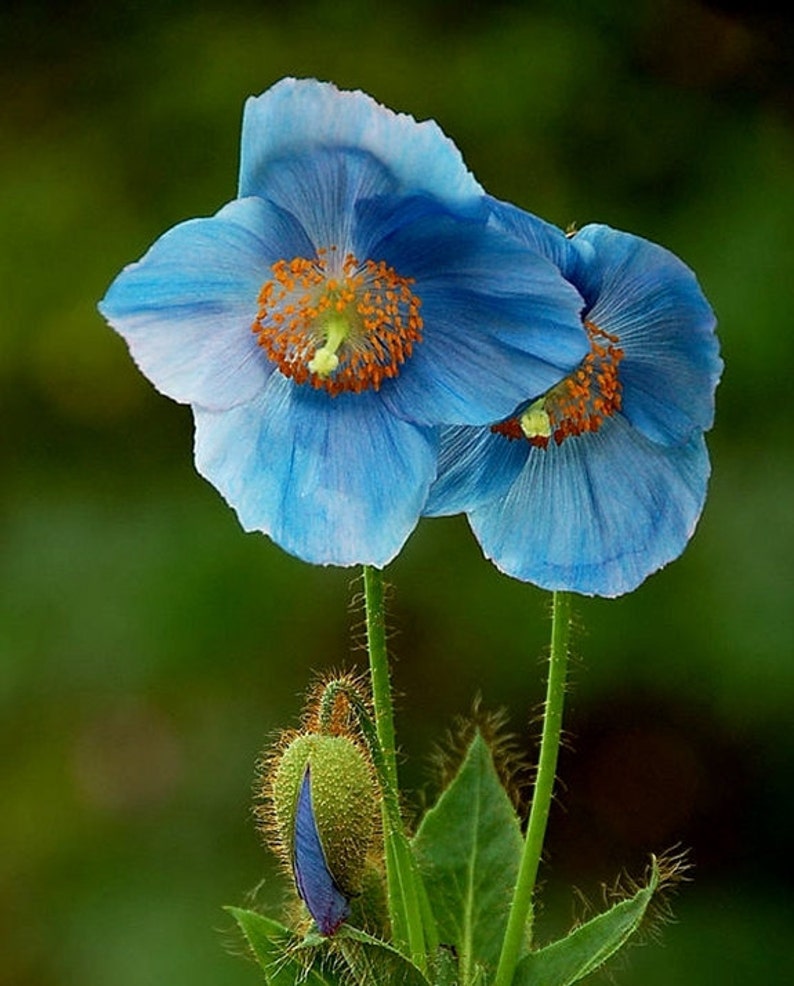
(150, 648)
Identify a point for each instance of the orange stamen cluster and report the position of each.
(305, 301)
(582, 401)
(511, 428)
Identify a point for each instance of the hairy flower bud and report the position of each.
(328, 782)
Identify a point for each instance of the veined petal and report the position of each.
(333, 480)
(598, 513)
(322, 188)
(296, 116)
(652, 302)
(548, 240)
(186, 308)
(501, 324)
(474, 467)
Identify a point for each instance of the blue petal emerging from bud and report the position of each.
(319, 891)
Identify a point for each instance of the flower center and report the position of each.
(340, 325)
(577, 404)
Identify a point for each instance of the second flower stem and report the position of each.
(519, 925)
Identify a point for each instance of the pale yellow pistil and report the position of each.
(325, 360)
(535, 421)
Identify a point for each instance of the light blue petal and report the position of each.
(297, 116)
(186, 308)
(652, 301)
(335, 481)
(322, 187)
(598, 513)
(474, 467)
(501, 325)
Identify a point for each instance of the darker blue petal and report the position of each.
(475, 466)
(648, 298)
(602, 510)
(543, 237)
(317, 888)
(652, 302)
(500, 322)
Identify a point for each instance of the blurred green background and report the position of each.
(150, 648)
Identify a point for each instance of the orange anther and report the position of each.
(582, 401)
(380, 316)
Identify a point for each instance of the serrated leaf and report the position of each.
(469, 848)
(587, 947)
(373, 962)
(274, 947)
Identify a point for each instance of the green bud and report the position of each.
(344, 796)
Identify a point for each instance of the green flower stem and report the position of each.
(519, 925)
(401, 875)
(379, 667)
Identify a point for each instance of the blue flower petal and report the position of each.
(317, 888)
(474, 467)
(500, 323)
(335, 481)
(548, 240)
(598, 513)
(187, 306)
(296, 116)
(322, 187)
(652, 301)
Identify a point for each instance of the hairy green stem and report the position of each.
(519, 925)
(375, 608)
(401, 876)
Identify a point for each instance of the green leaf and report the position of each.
(275, 950)
(587, 947)
(469, 848)
(286, 959)
(373, 962)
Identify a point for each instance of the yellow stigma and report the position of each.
(535, 421)
(325, 360)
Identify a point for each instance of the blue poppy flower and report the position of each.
(601, 480)
(354, 296)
